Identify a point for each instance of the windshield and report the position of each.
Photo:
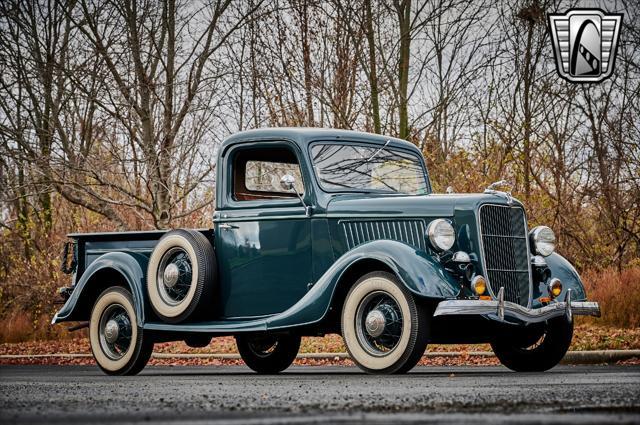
(368, 169)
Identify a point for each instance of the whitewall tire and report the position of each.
(116, 338)
(181, 276)
(384, 328)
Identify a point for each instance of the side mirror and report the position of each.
(287, 182)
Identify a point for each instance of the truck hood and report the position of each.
(433, 205)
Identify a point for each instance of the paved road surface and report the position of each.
(234, 395)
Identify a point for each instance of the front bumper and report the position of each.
(501, 309)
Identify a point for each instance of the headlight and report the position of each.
(543, 240)
(441, 234)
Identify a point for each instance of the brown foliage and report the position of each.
(28, 289)
(618, 293)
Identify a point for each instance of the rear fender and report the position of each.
(130, 266)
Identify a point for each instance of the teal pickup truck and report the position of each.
(328, 231)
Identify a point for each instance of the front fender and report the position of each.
(417, 271)
(131, 266)
(563, 270)
(420, 273)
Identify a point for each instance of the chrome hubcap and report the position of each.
(115, 331)
(111, 331)
(171, 274)
(375, 323)
(174, 276)
(379, 323)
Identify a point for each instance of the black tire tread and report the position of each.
(210, 278)
(539, 359)
(281, 358)
(424, 319)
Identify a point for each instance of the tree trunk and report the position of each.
(531, 15)
(166, 151)
(403, 10)
(22, 207)
(373, 72)
(306, 58)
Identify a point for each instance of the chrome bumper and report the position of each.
(500, 309)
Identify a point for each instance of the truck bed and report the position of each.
(90, 246)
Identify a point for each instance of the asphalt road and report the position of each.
(234, 395)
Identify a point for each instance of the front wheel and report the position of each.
(384, 328)
(536, 350)
(117, 340)
(268, 354)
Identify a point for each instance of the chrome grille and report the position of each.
(411, 232)
(506, 254)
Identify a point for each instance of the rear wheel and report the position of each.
(537, 350)
(268, 354)
(383, 327)
(117, 341)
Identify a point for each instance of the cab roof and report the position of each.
(305, 135)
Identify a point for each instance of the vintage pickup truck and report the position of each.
(328, 231)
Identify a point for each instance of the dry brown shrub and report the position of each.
(28, 291)
(618, 293)
(16, 326)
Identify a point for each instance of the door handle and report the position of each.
(227, 226)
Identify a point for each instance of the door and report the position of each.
(263, 236)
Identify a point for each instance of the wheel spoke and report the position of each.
(174, 286)
(115, 331)
(379, 323)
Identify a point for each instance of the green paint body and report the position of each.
(280, 269)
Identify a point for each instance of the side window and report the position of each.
(257, 174)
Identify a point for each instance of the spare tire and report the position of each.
(181, 276)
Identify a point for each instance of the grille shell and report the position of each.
(503, 231)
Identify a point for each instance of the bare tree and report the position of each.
(118, 106)
(120, 123)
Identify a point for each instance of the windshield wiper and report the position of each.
(378, 151)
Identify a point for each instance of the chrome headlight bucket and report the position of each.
(441, 234)
(543, 240)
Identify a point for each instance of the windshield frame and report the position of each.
(375, 145)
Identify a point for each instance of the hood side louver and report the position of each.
(411, 232)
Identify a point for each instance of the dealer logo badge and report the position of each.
(585, 43)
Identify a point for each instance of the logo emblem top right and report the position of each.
(585, 43)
